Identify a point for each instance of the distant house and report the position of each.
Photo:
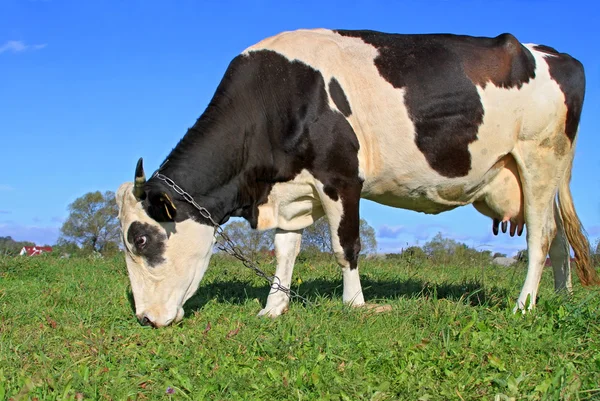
(35, 250)
(504, 261)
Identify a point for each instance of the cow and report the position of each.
(306, 123)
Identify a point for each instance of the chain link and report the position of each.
(228, 246)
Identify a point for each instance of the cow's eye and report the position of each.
(140, 241)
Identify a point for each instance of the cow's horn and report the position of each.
(140, 180)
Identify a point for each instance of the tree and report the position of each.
(92, 223)
(250, 242)
(523, 256)
(67, 248)
(9, 246)
(414, 253)
(448, 250)
(368, 240)
(317, 237)
(439, 247)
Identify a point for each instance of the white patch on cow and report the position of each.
(352, 293)
(160, 291)
(291, 205)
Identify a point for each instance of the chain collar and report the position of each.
(225, 244)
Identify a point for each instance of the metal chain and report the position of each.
(228, 246)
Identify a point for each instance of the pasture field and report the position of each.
(68, 332)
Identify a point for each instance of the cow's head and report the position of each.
(166, 252)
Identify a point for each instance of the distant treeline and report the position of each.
(9, 246)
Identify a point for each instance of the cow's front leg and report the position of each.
(341, 208)
(287, 246)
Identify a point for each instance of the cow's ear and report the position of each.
(168, 205)
(161, 207)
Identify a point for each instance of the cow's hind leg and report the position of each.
(540, 173)
(287, 246)
(541, 229)
(560, 256)
(341, 207)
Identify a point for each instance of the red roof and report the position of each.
(35, 250)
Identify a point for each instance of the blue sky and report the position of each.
(87, 87)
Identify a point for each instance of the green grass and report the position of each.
(67, 331)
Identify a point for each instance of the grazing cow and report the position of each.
(305, 123)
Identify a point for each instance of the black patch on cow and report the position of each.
(349, 229)
(331, 192)
(570, 76)
(154, 248)
(439, 74)
(339, 97)
(268, 120)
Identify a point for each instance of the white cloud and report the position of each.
(419, 232)
(18, 46)
(386, 231)
(15, 46)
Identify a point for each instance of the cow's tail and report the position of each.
(574, 231)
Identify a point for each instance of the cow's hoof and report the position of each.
(274, 311)
(525, 303)
(517, 309)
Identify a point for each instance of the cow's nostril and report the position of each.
(144, 321)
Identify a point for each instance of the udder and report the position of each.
(502, 200)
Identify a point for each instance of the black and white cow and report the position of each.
(305, 123)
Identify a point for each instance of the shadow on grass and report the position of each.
(238, 292)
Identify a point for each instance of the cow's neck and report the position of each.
(215, 163)
(253, 134)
